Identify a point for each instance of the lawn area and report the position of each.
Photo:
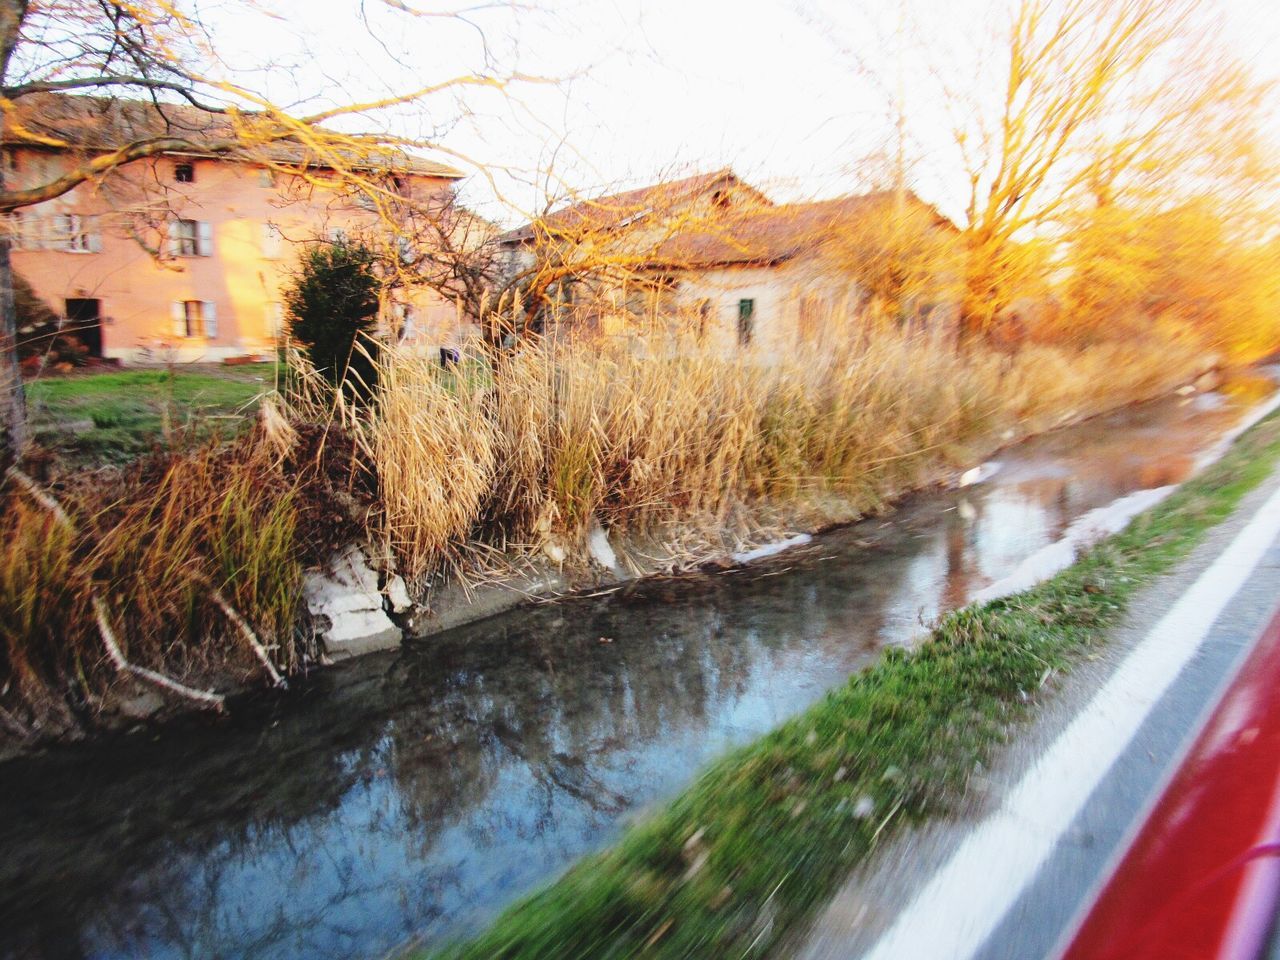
(95, 418)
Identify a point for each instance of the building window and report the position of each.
(185, 173)
(195, 319)
(76, 233)
(11, 160)
(190, 238)
(404, 326)
(45, 167)
(266, 177)
(405, 250)
(746, 321)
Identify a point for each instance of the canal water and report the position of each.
(407, 797)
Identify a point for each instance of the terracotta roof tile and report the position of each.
(103, 123)
(618, 210)
(753, 233)
(768, 234)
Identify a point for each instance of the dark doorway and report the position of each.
(84, 322)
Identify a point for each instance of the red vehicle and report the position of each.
(1201, 878)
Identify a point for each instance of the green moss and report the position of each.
(765, 835)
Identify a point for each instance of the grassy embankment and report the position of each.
(765, 835)
(92, 418)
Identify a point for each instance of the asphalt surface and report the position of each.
(1048, 909)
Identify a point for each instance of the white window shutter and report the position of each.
(270, 241)
(204, 245)
(210, 319)
(175, 234)
(178, 313)
(95, 238)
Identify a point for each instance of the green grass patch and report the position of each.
(766, 834)
(113, 417)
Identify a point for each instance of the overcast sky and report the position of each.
(640, 89)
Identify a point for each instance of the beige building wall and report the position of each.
(250, 229)
(792, 304)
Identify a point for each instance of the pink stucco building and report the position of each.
(184, 256)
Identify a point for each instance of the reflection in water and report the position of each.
(412, 795)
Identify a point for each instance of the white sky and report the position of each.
(648, 88)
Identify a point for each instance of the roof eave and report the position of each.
(443, 173)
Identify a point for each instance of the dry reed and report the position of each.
(195, 558)
(659, 434)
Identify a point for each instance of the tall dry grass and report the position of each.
(435, 453)
(156, 548)
(660, 434)
(445, 468)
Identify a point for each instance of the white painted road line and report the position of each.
(955, 912)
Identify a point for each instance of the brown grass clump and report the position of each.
(154, 549)
(193, 561)
(433, 448)
(1047, 384)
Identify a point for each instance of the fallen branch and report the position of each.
(250, 637)
(44, 499)
(214, 700)
(13, 724)
(41, 497)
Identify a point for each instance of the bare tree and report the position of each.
(446, 247)
(1063, 116)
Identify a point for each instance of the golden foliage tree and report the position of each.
(1111, 110)
(904, 256)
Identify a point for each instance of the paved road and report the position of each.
(1009, 877)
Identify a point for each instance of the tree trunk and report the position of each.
(13, 417)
